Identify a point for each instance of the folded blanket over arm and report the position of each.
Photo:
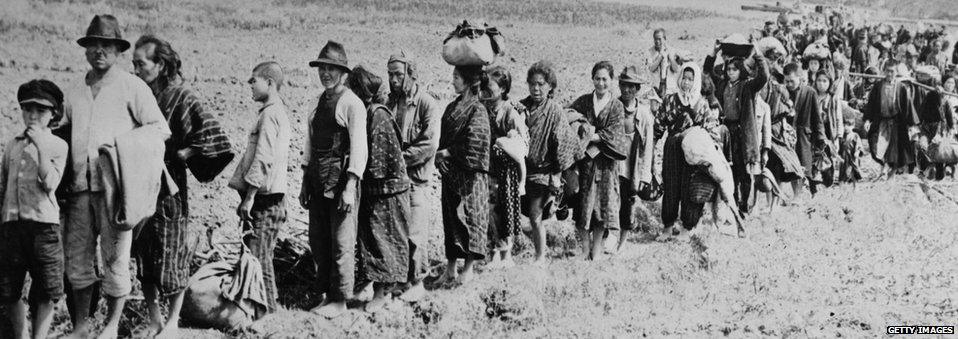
(133, 175)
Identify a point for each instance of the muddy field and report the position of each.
(848, 263)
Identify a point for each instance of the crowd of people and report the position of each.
(792, 107)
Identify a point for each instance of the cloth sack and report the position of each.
(472, 45)
(766, 44)
(817, 51)
(943, 151)
(927, 74)
(228, 294)
(701, 150)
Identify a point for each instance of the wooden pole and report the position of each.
(909, 80)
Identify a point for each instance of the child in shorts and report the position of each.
(33, 164)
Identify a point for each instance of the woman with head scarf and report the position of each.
(680, 111)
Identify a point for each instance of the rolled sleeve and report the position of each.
(351, 114)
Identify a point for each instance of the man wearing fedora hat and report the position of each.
(107, 103)
(335, 158)
(635, 173)
(418, 117)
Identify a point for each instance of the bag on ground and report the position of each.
(227, 294)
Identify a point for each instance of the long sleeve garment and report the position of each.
(809, 125)
(639, 127)
(552, 144)
(892, 112)
(265, 160)
(193, 127)
(123, 103)
(419, 117)
(598, 174)
(349, 113)
(744, 105)
(27, 193)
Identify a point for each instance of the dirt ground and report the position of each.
(848, 263)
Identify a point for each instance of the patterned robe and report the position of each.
(891, 110)
(504, 175)
(552, 144)
(162, 244)
(465, 185)
(384, 204)
(674, 118)
(599, 170)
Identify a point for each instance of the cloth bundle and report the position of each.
(700, 150)
(227, 294)
(472, 45)
(818, 51)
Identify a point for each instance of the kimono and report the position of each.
(504, 172)
(782, 160)
(891, 110)
(675, 116)
(851, 152)
(465, 185)
(599, 170)
(384, 209)
(831, 111)
(809, 125)
(552, 149)
(162, 244)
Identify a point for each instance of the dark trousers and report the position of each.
(332, 239)
(269, 215)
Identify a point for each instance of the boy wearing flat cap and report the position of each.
(32, 166)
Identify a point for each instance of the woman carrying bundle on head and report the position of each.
(463, 162)
(598, 209)
(748, 130)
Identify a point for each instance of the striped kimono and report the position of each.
(162, 245)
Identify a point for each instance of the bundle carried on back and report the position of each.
(472, 44)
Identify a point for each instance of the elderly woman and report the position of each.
(678, 112)
(551, 150)
(384, 203)
(748, 140)
(598, 207)
(463, 161)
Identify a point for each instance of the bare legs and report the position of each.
(170, 327)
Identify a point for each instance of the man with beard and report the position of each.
(419, 118)
(163, 248)
(108, 103)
